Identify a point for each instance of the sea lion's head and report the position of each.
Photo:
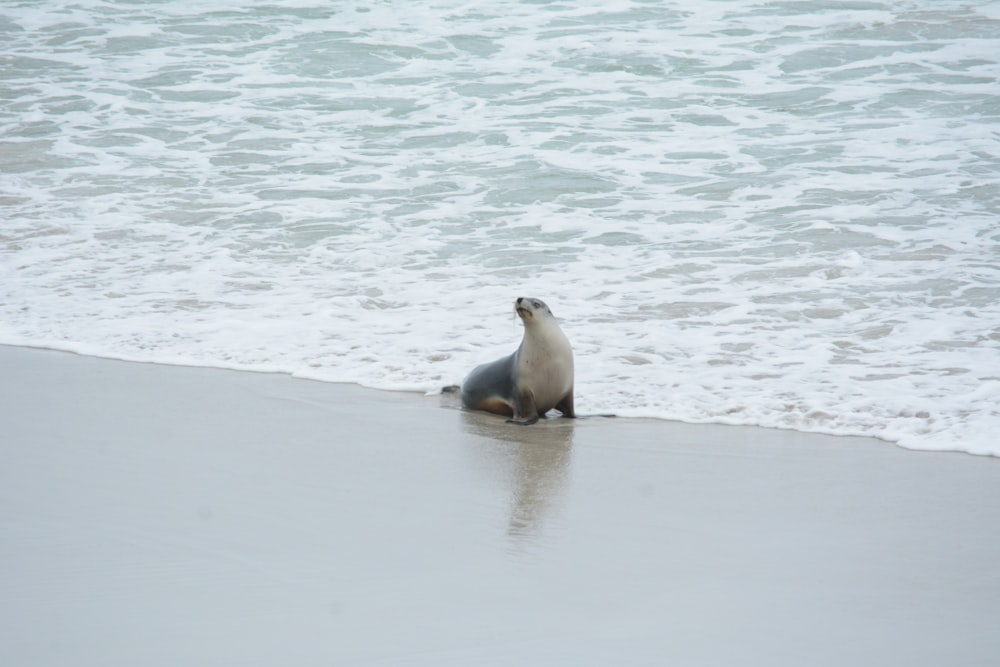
(529, 309)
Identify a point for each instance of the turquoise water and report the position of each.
(782, 214)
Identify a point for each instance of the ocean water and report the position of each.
(773, 213)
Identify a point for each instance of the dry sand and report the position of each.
(156, 515)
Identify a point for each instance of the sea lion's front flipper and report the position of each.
(565, 406)
(525, 410)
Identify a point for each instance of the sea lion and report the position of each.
(533, 380)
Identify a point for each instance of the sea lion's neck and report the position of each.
(544, 339)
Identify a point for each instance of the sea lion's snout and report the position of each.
(522, 308)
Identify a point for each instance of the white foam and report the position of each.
(743, 214)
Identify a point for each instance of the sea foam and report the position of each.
(742, 212)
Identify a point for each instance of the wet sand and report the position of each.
(156, 515)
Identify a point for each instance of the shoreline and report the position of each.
(423, 393)
(156, 514)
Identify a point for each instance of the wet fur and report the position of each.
(534, 379)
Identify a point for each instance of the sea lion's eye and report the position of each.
(536, 304)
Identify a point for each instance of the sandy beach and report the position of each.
(156, 515)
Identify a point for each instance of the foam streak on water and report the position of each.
(774, 213)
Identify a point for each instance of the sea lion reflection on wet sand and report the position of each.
(536, 378)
